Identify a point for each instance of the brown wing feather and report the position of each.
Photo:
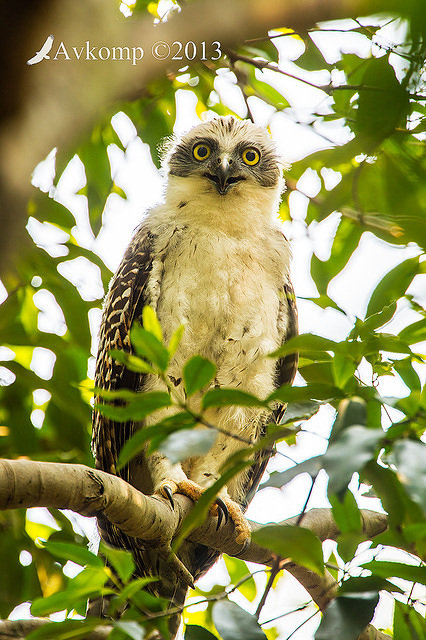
(123, 305)
(287, 366)
(286, 371)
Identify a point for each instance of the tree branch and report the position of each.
(20, 629)
(27, 483)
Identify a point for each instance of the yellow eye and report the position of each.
(251, 156)
(201, 152)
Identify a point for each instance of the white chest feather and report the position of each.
(226, 290)
(219, 267)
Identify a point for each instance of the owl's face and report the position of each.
(226, 152)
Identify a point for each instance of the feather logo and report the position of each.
(43, 53)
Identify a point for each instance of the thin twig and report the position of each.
(275, 569)
(287, 613)
(315, 613)
(302, 513)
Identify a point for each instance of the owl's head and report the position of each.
(226, 152)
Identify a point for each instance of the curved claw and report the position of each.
(219, 517)
(169, 493)
(245, 545)
(223, 509)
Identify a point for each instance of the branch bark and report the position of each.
(20, 629)
(27, 483)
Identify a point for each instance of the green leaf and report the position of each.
(345, 242)
(175, 340)
(373, 322)
(362, 444)
(296, 411)
(120, 559)
(364, 584)
(149, 347)
(151, 323)
(133, 363)
(346, 513)
(408, 374)
(128, 593)
(155, 432)
(138, 407)
(130, 628)
(412, 573)
(408, 624)
(312, 391)
(350, 411)
(312, 58)
(93, 154)
(280, 478)
(305, 342)
(66, 630)
(230, 397)
(75, 553)
(401, 622)
(391, 493)
(185, 443)
(348, 519)
(233, 623)
(410, 457)
(195, 632)
(385, 342)
(89, 582)
(393, 285)
(382, 104)
(197, 373)
(346, 616)
(416, 535)
(344, 368)
(299, 544)
(240, 574)
(415, 332)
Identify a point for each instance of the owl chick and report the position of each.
(213, 258)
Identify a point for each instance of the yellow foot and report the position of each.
(186, 487)
(223, 507)
(233, 510)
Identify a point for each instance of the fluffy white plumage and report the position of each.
(219, 269)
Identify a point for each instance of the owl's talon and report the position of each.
(166, 489)
(221, 511)
(219, 518)
(169, 494)
(245, 545)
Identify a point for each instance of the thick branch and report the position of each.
(26, 483)
(19, 629)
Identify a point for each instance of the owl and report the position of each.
(211, 257)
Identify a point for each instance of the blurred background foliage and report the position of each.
(379, 168)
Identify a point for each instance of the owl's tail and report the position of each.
(168, 586)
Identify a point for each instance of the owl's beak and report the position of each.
(223, 178)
